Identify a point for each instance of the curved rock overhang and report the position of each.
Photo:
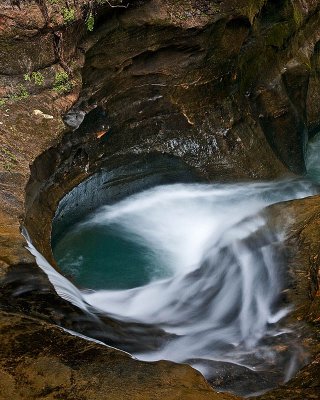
(228, 87)
(182, 80)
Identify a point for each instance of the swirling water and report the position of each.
(200, 262)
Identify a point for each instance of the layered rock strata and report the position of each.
(229, 87)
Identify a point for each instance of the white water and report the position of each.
(64, 288)
(312, 158)
(222, 300)
(223, 292)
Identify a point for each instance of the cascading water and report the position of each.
(209, 274)
(312, 158)
(186, 272)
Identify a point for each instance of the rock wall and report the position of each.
(300, 220)
(229, 87)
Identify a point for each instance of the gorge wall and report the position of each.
(228, 87)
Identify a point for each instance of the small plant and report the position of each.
(7, 165)
(69, 15)
(22, 93)
(9, 159)
(36, 77)
(62, 83)
(90, 22)
(2, 102)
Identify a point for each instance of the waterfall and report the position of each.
(219, 299)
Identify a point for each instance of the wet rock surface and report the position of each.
(229, 87)
(299, 219)
(40, 361)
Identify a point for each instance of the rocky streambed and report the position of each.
(226, 90)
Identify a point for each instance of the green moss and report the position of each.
(9, 159)
(62, 83)
(20, 94)
(35, 77)
(2, 102)
(90, 22)
(38, 78)
(69, 15)
(8, 166)
(9, 154)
